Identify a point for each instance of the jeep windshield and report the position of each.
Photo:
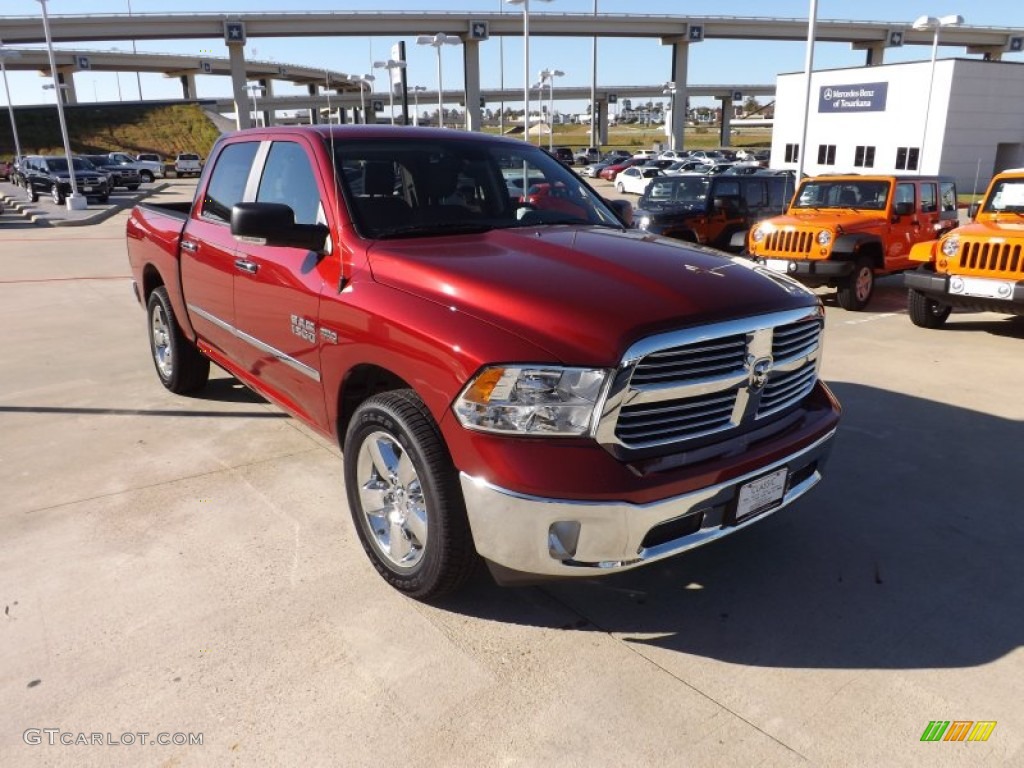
(846, 193)
(433, 187)
(1007, 196)
(663, 192)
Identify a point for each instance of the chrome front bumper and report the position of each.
(556, 537)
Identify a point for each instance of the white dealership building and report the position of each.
(968, 124)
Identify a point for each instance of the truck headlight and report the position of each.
(531, 400)
(644, 222)
(950, 246)
(824, 237)
(759, 234)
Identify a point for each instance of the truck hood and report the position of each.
(1007, 225)
(583, 294)
(850, 220)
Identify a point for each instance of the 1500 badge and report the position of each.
(306, 329)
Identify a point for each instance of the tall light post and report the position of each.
(812, 23)
(548, 76)
(416, 91)
(5, 54)
(526, 63)
(438, 40)
(933, 23)
(254, 89)
(363, 80)
(138, 77)
(595, 128)
(392, 66)
(669, 89)
(75, 201)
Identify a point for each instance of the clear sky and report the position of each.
(621, 62)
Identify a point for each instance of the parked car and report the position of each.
(594, 169)
(151, 166)
(188, 164)
(118, 175)
(49, 174)
(646, 154)
(6, 169)
(587, 155)
(710, 210)
(688, 166)
(562, 155)
(635, 179)
(674, 154)
(610, 172)
(537, 389)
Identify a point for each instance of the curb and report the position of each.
(22, 208)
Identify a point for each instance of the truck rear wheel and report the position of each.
(855, 291)
(180, 366)
(404, 496)
(926, 312)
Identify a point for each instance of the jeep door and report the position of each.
(906, 230)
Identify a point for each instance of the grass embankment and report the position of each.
(645, 137)
(162, 128)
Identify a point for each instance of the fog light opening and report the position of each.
(563, 538)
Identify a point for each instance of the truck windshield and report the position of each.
(689, 191)
(1007, 196)
(845, 193)
(408, 188)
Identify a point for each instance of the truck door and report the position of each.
(208, 250)
(905, 230)
(277, 290)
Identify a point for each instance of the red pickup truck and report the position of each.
(538, 386)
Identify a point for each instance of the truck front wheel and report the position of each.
(405, 498)
(180, 366)
(926, 312)
(855, 291)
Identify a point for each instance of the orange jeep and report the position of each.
(977, 266)
(842, 231)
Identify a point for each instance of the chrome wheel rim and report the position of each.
(391, 497)
(865, 278)
(161, 337)
(55, 193)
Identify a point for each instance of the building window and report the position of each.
(864, 157)
(906, 158)
(792, 153)
(826, 154)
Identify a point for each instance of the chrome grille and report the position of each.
(789, 241)
(986, 256)
(691, 384)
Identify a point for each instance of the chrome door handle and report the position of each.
(247, 266)
(189, 245)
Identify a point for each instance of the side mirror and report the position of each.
(274, 224)
(972, 210)
(623, 209)
(903, 209)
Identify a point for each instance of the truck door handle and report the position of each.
(247, 266)
(189, 245)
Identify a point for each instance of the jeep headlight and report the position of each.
(824, 237)
(759, 234)
(950, 246)
(531, 400)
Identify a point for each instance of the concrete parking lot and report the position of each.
(176, 565)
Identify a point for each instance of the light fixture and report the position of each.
(416, 91)
(362, 80)
(437, 41)
(922, 23)
(548, 76)
(392, 66)
(526, 64)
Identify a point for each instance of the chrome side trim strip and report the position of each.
(291, 362)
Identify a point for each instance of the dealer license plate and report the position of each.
(777, 265)
(761, 494)
(980, 286)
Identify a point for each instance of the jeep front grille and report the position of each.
(788, 241)
(688, 385)
(986, 256)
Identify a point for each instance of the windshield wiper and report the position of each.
(440, 228)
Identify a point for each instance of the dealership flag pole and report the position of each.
(812, 22)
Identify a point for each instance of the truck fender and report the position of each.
(854, 244)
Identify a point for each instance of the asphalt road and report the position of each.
(176, 565)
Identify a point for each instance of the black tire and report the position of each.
(180, 366)
(856, 290)
(620, 189)
(926, 312)
(104, 199)
(146, 176)
(56, 195)
(132, 187)
(433, 553)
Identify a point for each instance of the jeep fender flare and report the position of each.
(855, 245)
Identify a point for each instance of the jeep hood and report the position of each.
(584, 294)
(850, 220)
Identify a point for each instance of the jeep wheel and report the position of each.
(926, 312)
(180, 366)
(404, 496)
(56, 195)
(855, 291)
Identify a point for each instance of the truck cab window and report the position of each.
(227, 183)
(289, 179)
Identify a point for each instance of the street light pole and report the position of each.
(549, 76)
(75, 202)
(526, 65)
(138, 77)
(390, 65)
(362, 80)
(416, 91)
(812, 22)
(254, 89)
(10, 105)
(437, 41)
(669, 89)
(923, 23)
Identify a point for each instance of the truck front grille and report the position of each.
(988, 256)
(690, 385)
(788, 242)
